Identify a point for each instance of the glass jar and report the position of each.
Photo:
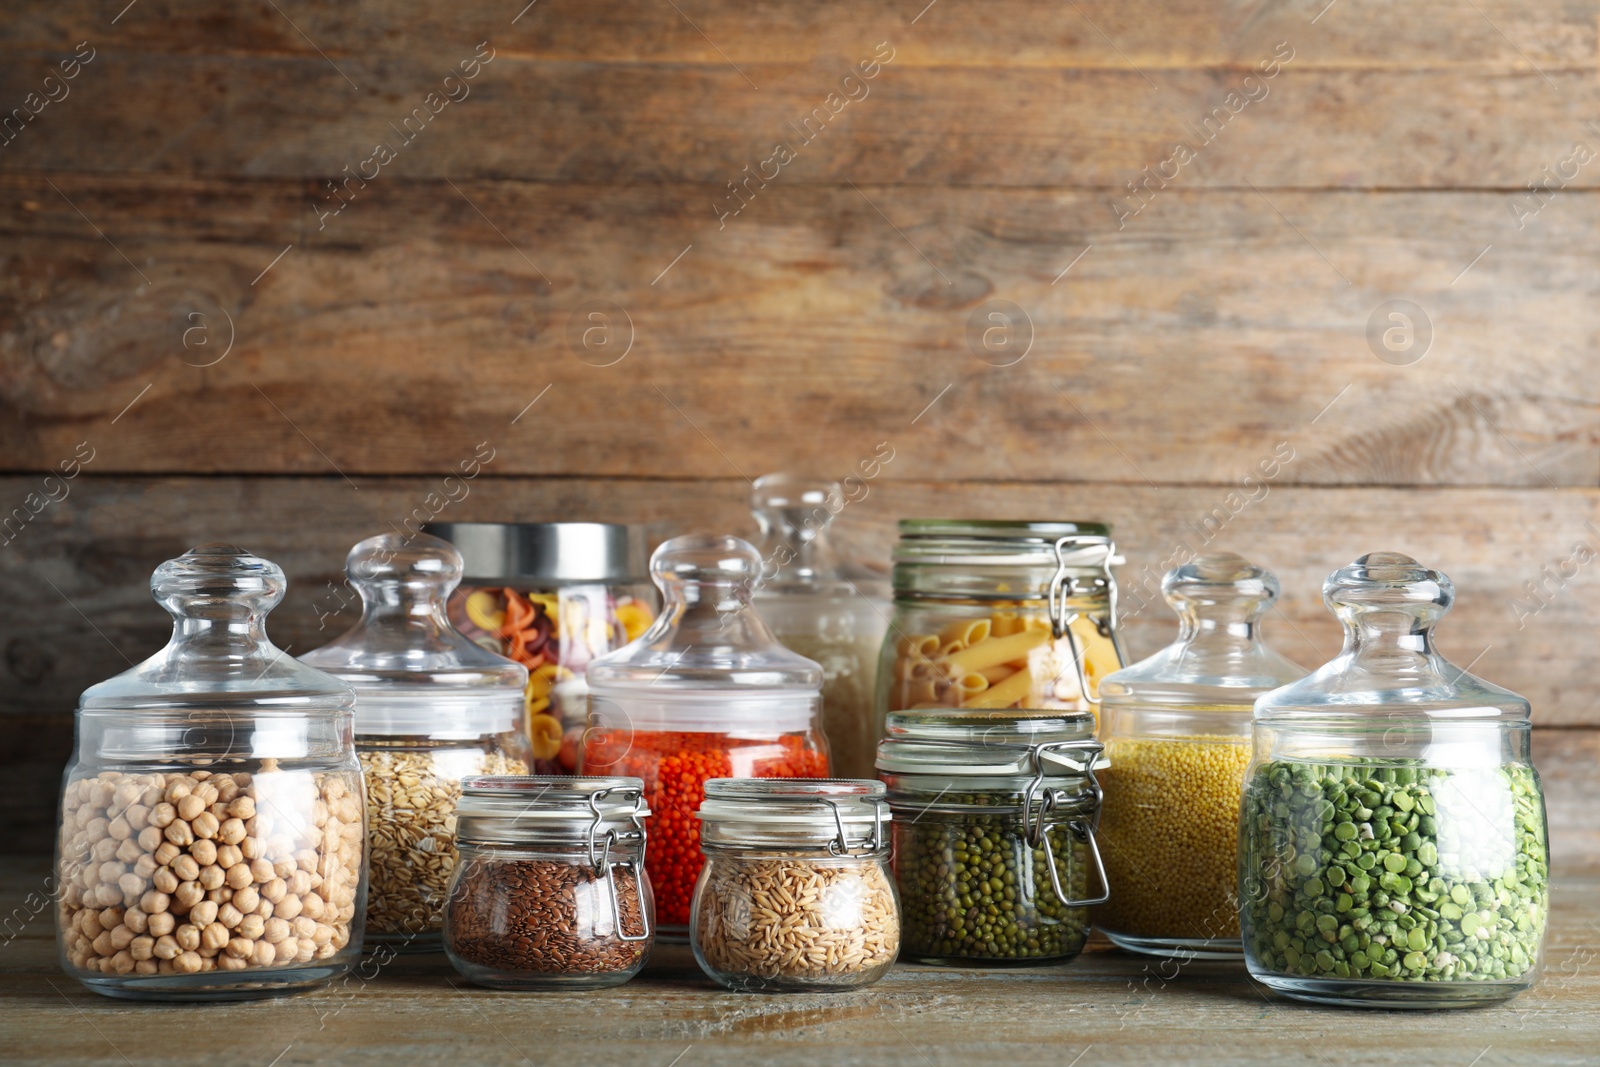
(796, 895)
(211, 819)
(999, 614)
(819, 611)
(1392, 839)
(552, 596)
(551, 891)
(994, 821)
(706, 693)
(1177, 729)
(432, 708)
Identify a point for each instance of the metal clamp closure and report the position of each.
(840, 845)
(602, 863)
(1064, 587)
(1036, 828)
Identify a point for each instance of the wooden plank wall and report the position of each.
(235, 317)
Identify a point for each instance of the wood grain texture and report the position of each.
(1105, 1008)
(600, 122)
(425, 316)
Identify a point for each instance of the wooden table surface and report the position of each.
(1106, 1008)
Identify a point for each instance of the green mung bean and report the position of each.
(1387, 870)
(972, 888)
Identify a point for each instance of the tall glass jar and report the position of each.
(211, 819)
(1177, 729)
(819, 611)
(551, 891)
(796, 895)
(553, 596)
(1392, 839)
(707, 692)
(994, 820)
(432, 708)
(999, 614)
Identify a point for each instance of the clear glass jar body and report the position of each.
(554, 629)
(972, 888)
(1170, 826)
(675, 766)
(189, 871)
(412, 786)
(540, 916)
(972, 621)
(837, 919)
(1398, 863)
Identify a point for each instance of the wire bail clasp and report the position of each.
(602, 863)
(1036, 827)
(1064, 587)
(840, 845)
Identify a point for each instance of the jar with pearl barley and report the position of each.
(1177, 728)
(212, 830)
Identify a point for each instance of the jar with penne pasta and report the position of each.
(999, 614)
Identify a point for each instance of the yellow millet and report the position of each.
(1169, 834)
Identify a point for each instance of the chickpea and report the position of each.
(231, 963)
(188, 894)
(275, 930)
(142, 947)
(164, 880)
(123, 962)
(155, 901)
(242, 808)
(313, 905)
(203, 914)
(145, 967)
(214, 937)
(307, 859)
(186, 963)
(204, 852)
(207, 792)
(162, 924)
(187, 936)
(304, 926)
(204, 825)
(163, 815)
(274, 890)
(185, 868)
(111, 870)
(179, 833)
(120, 829)
(128, 851)
(251, 848)
(263, 954)
(178, 788)
(145, 866)
(98, 829)
(88, 922)
(166, 948)
(103, 945)
(136, 920)
(299, 883)
(213, 876)
(165, 853)
(121, 938)
(240, 947)
(111, 918)
(239, 876)
(246, 899)
(251, 926)
(131, 884)
(228, 856)
(308, 950)
(333, 789)
(138, 816)
(288, 907)
(231, 831)
(227, 790)
(229, 916)
(261, 871)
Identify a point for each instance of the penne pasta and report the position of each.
(921, 691)
(967, 631)
(1010, 692)
(1005, 624)
(917, 645)
(951, 648)
(995, 651)
(1002, 671)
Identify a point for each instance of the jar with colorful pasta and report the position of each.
(553, 596)
(999, 614)
(432, 708)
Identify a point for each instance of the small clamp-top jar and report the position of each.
(999, 614)
(1177, 729)
(211, 818)
(796, 894)
(431, 708)
(707, 692)
(1392, 840)
(994, 820)
(551, 890)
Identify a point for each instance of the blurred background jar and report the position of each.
(1393, 850)
(211, 819)
(999, 614)
(431, 709)
(707, 692)
(796, 895)
(822, 609)
(552, 596)
(551, 891)
(1177, 730)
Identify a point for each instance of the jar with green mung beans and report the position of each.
(1392, 839)
(995, 813)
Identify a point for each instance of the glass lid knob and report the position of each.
(389, 568)
(706, 560)
(1388, 587)
(1220, 582)
(218, 581)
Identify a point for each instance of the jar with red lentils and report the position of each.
(707, 692)
(212, 829)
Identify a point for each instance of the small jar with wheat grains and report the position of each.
(211, 817)
(550, 890)
(795, 895)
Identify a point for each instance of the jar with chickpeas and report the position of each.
(432, 708)
(212, 824)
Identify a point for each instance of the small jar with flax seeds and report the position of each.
(550, 891)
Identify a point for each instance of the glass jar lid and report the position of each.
(219, 657)
(1219, 661)
(529, 808)
(1389, 604)
(708, 662)
(844, 814)
(990, 743)
(547, 553)
(413, 672)
(965, 544)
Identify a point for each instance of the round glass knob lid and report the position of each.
(218, 580)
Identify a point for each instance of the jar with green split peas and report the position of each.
(995, 813)
(1392, 839)
(1177, 729)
